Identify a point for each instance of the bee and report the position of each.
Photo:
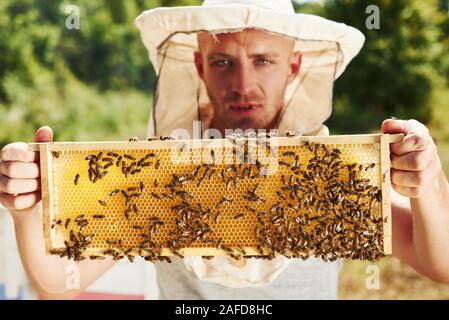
(103, 203)
(134, 195)
(118, 162)
(90, 157)
(289, 154)
(308, 146)
(260, 249)
(281, 195)
(72, 236)
(66, 224)
(88, 237)
(138, 227)
(256, 187)
(91, 175)
(228, 183)
(242, 250)
(195, 171)
(219, 244)
(127, 212)
(180, 223)
(291, 134)
(336, 151)
(239, 216)
(57, 222)
(93, 257)
(146, 164)
(183, 147)
(164, 258)
(223, 201)
(199, 181)
(236, 182)
(149, 155)
(114, 192)
(56, 154)
(158, 163)
(167, 195)
(107, 166)
(284, 163)
(156, 196)
(129, 157)
(79, 218)
(133, 139)
(98, 216)
(77, 178)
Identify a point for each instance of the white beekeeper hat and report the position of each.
(170, 36)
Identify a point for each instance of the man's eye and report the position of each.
(263, 62)
(221, 63)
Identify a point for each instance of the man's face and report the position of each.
(246, 75)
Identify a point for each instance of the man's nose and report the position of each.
(244, 79)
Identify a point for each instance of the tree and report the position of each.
(394, 73)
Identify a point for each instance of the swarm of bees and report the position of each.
(324, 207)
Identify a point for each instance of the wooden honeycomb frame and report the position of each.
(52, 185)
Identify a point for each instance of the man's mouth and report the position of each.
(244, 108)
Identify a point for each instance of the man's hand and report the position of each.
(415, 160)
(20, 174)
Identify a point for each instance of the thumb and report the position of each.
(44, 134)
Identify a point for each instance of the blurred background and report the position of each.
(96, 82)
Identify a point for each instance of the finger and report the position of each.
(18, 186)
(409, 178)
(44, 134)
(409, 192)
(411, 142)
(416, 138)
(20, 202)
(20, 170)
(413, 161)
(393, 126)
(18, 151)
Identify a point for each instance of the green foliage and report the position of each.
(395, 72)
(94, 82)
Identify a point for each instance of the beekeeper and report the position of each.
(247, 64)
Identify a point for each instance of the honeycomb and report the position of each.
(242, 196)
